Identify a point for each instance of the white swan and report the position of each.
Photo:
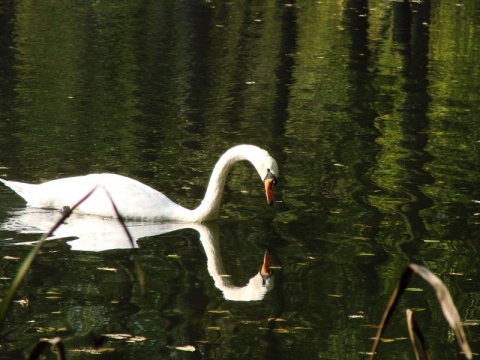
(136, 200)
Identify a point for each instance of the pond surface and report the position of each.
(371, 110)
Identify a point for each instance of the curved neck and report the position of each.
(210, 207)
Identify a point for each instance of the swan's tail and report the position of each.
(22, 189)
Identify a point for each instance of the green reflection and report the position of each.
(369, 107)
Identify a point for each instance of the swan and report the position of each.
(135, 200)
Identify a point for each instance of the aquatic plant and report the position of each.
(446, 303)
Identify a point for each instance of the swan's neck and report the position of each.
(210, 207)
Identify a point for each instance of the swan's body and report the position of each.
(136, 200)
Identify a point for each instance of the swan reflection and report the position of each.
(93, 233)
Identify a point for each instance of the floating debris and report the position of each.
(216, 328)
(219, 311)
(276, 319)
(23, 302)
(471, 323)
(356, 316)
(118, 336)
(189, 348)
(414, 289)
(94, 351)
(135, 339)
(49, 329)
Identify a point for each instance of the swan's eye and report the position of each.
(271, 176)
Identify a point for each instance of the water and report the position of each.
(371, 110)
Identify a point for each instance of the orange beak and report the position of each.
(269, 183)
(265, 271)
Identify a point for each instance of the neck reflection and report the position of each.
(93, 233)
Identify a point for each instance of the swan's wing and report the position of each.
(132, 198)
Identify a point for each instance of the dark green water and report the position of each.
(371, 109)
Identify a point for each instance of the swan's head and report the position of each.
(265, 165)
(268, 171)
